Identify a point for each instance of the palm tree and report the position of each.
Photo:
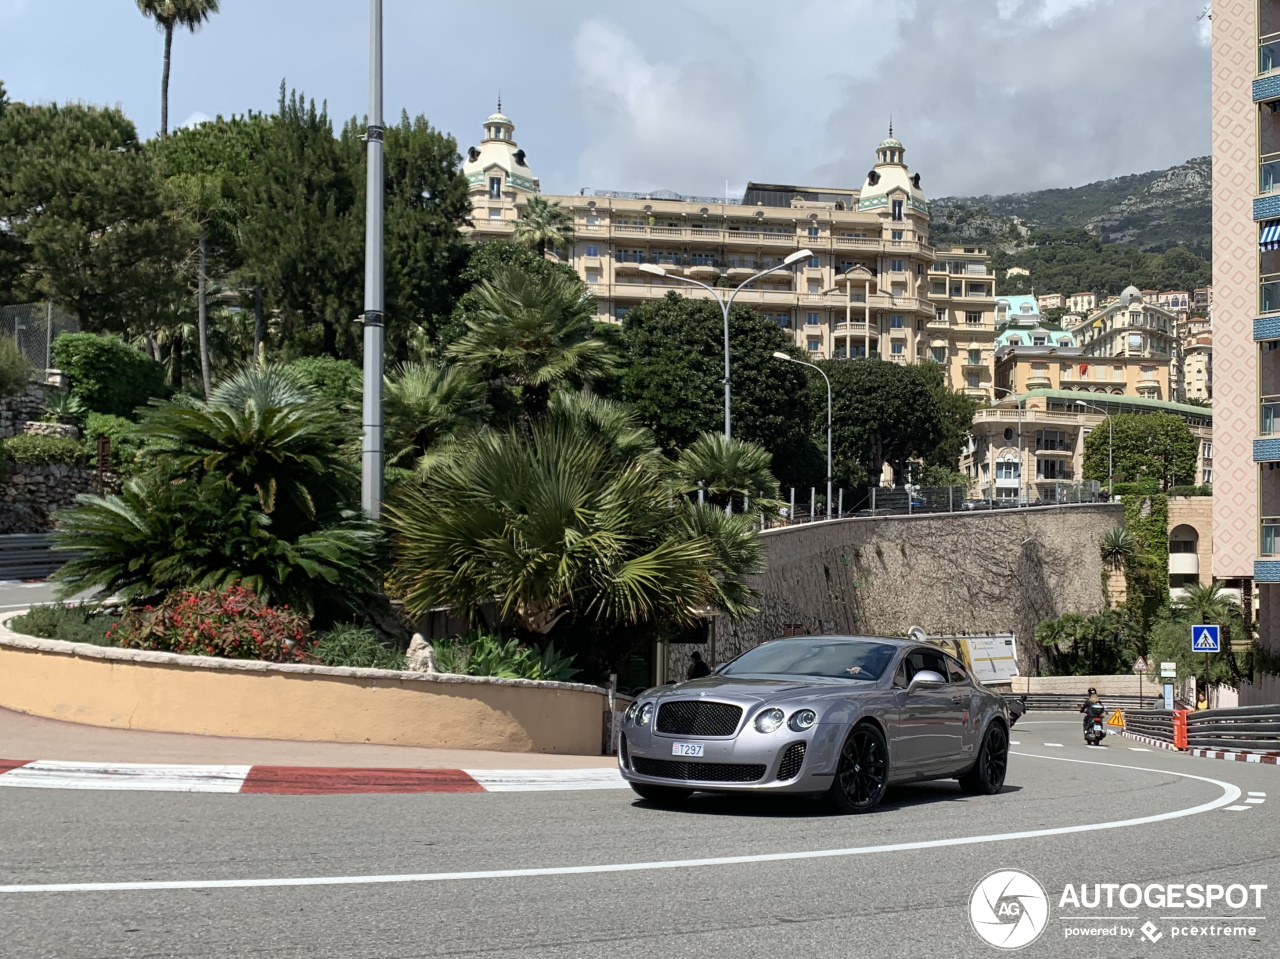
(1210, 604)
(566, 518)
(266, 434)
(1118, 546)
(535, 334)
(169, 14)
(728, 469)
(542, 224)
(426, 406)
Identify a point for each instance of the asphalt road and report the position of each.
(883, 903)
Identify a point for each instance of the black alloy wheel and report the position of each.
(661, 795)
(863, 771)
(986, 778)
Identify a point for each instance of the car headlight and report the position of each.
(645, 714)
(630, 714)
(769, 720)
(802, 720)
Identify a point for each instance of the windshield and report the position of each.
(847, 659)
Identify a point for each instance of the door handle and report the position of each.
(959, 700)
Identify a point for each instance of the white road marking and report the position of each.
(537, 780)
(53, 774)
(1238, 808)
(1230, 793)
(1254, 802)
(1014, 742)
(1257, 794)
(1139, 749)
(1058, 745)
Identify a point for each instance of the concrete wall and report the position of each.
(164, 692)
(997, 571)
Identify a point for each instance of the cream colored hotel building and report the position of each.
(1246, 312)
(873, 286)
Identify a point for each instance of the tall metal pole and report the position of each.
(728, 425)
(371, 450)
(779, 355)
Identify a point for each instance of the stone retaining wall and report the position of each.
(29, 495)
(15, 411)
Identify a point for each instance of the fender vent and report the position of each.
(792, 760)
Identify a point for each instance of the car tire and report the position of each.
(862, 772)
(986, 778)
(661, 795)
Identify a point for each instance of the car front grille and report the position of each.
(694, 717)
(792, 760)
(699, 772)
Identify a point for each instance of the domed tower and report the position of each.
(891, 187)
(498, 168)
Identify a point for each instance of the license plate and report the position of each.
(686, 749)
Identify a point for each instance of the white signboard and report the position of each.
(994, 658)
(1168, 670)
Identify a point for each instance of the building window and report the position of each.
(939, 354)
(1037, 341)
(919, 326)
(895, 266)
(1052, 470)
(813, 262)
(815, 286)
(495, 187)
(897, 209)
(896, 235)
(897, 348)
(973, 319)
(957, 289)
(621, 312)
(972, 381)
(813, 231)
(815, 345)
(977, 289)
(593, 220)
(593, 250)
(895, 322)
(940, 316)
(1206, 449)
(593, 276)
(1007, 471)
(495, 213)
(975, 357)
(813, 319)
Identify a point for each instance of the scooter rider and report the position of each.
(1091, 707)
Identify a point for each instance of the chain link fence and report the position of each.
(35, 326)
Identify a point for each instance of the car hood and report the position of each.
(757, 688)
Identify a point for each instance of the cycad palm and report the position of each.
(1208, 604)
(266, 434)
(542, 224)
(1117, 547)
(534, 334)
(169, 14)
(562, 518)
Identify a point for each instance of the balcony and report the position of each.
(1039, 381)
(1269, 541)
(1184, 564)
(1269, 410)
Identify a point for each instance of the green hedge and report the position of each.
(14, 368)
(123, 434)
(1151, 487)
(107, 374)
(42, 450)
(335, 380)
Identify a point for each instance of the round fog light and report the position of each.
(802, 720)
(769, 720)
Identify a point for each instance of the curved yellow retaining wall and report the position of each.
(164, 692)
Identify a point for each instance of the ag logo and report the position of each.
(1009, 909)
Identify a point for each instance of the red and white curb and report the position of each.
(1271, 758)
(1147, 740)
(296, 780)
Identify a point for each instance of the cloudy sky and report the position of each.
(989, 96)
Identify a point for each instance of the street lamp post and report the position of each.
(724, 308)
(1018, 398)
(791, 359)
(371, 445)
(1110, 446)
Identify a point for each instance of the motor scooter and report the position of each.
(1095, 729)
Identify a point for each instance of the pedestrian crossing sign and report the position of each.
(1205, 639)
(1117, 719)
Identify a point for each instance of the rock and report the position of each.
(66, 430)
(421, 657)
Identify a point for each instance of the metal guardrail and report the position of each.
(1072, 701)
(1152, 723)
(28, 556)
(1245, 727)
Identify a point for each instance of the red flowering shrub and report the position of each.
(229, 622)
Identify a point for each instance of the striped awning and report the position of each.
(1269, 238)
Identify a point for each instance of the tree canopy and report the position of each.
(1142, 446)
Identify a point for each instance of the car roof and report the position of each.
(892, 641)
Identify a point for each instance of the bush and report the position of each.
(74, 624)
(107, 374)
(125, 442)
(229, 622)
(14, 368)
(42, 450)
(480, 654)
(335, 380)
(355, 646)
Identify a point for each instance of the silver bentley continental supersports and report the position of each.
(837, 716)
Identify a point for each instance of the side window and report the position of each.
(919, 659)
(956, 672)
(901, 679)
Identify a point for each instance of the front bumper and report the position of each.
(725, 760)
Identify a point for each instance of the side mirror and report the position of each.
(926, 679)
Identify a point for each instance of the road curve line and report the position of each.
(1230, 793)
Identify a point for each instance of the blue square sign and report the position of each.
(1206, 639)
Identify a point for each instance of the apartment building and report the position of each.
(871, 286)
(1202, 300)
(1051, 301)
(1197, 367)
(1082, 302)
(1132, 325)
(1246, 321)
(1021, 369)
(1175, 301)
(1031, 446)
